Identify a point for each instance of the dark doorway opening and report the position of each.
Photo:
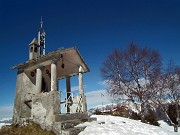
(44, 86)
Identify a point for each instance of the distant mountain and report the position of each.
(6, 120)
(135, 107)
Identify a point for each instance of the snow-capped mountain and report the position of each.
(135, 107)
(5, 120)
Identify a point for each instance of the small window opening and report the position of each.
(35, 49)
(31, 49)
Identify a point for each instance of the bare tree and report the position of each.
(133, 72)
(169, 94)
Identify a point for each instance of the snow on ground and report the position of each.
(165, 126)
(1, 124)
(113, 125)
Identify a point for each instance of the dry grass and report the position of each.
(30, 129)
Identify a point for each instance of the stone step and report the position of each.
(70, 123)
(67, 128)
(73, 131)
(90, 119)
(67, 124)
(73, 116)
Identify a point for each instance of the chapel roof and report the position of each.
(71, 59)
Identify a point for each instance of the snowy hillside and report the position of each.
(112, 125)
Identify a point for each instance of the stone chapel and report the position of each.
(38, 98)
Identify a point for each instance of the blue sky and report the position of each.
(95, 27)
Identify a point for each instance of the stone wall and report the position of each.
(44, 108)
(25, 89)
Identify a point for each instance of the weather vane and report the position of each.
(41, 22)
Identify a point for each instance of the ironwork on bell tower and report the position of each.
(41, 39)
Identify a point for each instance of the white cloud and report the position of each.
(96, 98)
(102, 83)
(75, 88)
(6, 111)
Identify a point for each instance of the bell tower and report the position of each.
(34, 49)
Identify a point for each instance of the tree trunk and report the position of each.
(177, 119)
(142, 113)
(175, 128)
